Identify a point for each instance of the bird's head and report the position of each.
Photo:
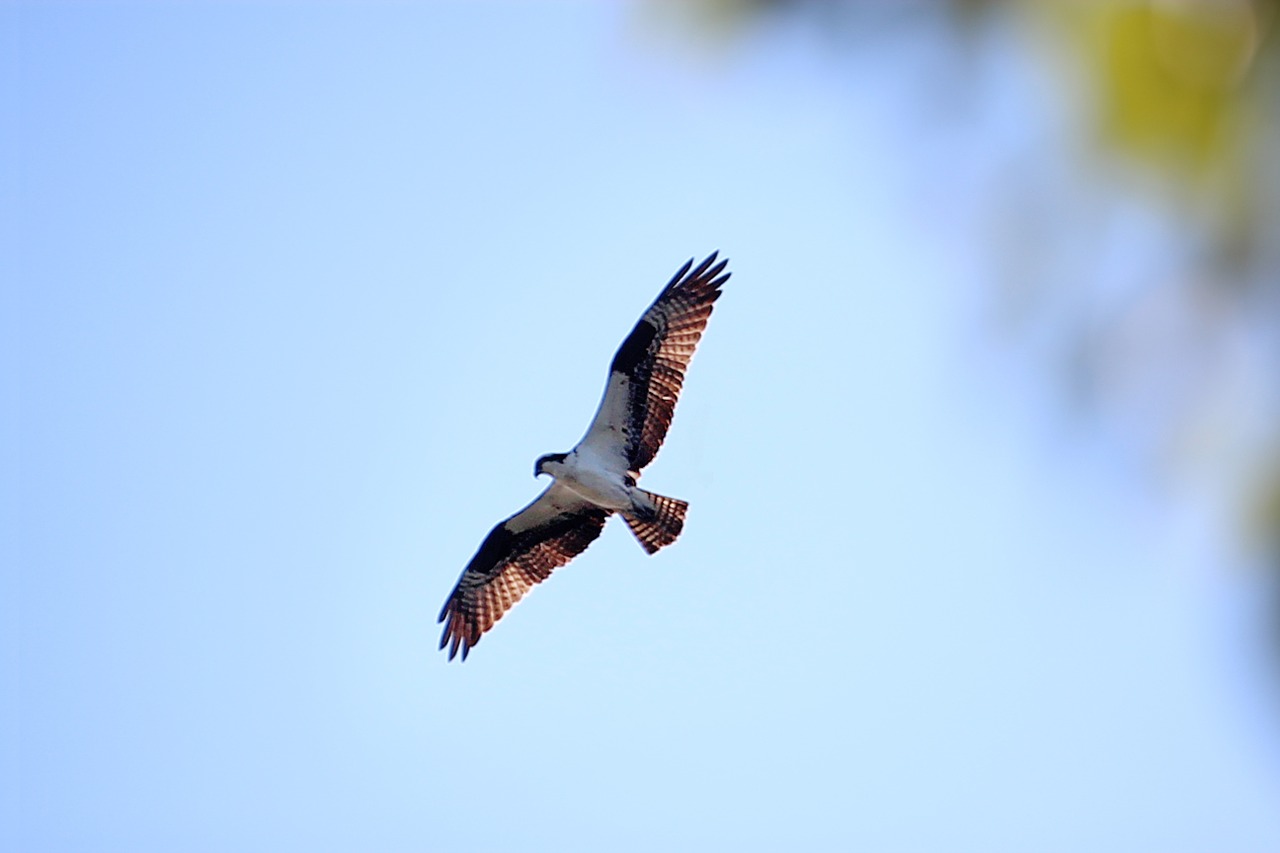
(540, 467)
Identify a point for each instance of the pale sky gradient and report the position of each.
(296, 296)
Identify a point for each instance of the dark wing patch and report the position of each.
(635, 348)
(506, 567)
(656, 354)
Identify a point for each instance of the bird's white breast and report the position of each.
(587, 475)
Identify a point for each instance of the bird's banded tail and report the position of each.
(656, 520)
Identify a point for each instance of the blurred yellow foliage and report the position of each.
(1172, 75)
(1185, 90)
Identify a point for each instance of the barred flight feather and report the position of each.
(675, 323)
(507, 566)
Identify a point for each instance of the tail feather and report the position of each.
(656, 520)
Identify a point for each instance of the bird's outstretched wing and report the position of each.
(648, 370)
(518, 553)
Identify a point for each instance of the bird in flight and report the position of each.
(597, 477)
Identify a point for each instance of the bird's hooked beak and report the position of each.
(540, 467)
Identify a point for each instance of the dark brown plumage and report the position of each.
(659, 349)
(508, 565)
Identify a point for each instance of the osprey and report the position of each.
(598, 477)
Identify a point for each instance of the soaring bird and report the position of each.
(598, 476)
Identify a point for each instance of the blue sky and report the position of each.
(296, 296)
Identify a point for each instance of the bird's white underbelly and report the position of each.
(601, 487)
